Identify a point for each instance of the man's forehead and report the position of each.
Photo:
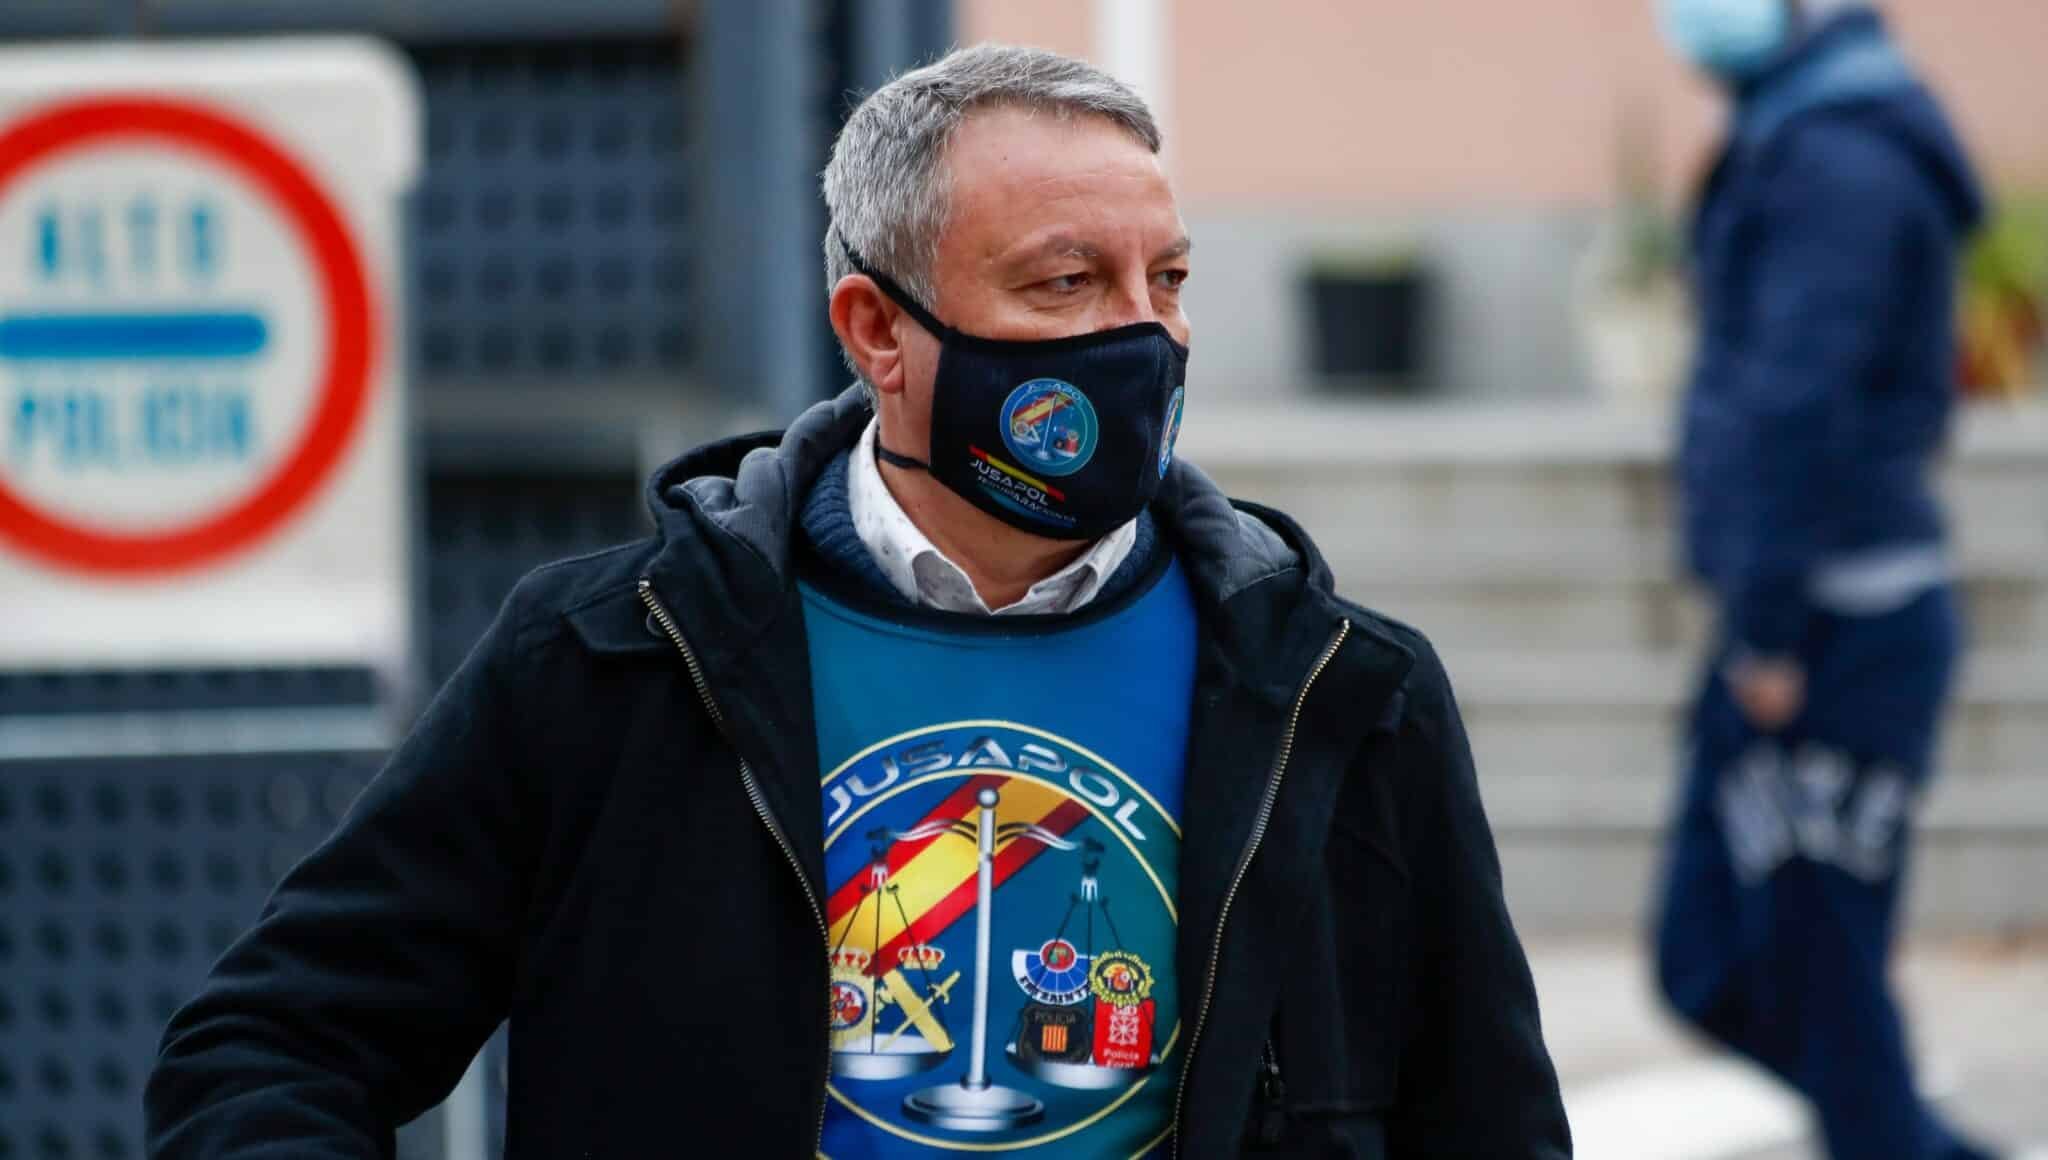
(1015, 137)
(1040, 183)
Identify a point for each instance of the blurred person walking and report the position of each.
(956, 771)
(1824, 253)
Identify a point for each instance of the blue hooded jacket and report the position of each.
(1824, 252)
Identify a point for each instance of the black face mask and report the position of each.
(1066, 438)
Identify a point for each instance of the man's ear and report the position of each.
(865, 321)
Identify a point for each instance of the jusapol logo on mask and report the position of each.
(1050, 426)
(1172, 435)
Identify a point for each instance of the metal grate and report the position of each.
(550, 228)
(181, 690)
(549, 243)
(120, 883)
(121, 880)
(25, 18)
(406, 20)
(485, 531)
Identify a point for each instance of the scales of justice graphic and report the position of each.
(1045, 429)
(1087, 1023)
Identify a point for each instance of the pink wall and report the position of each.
(1492, 103)
(1064, 25)
(1989, 60)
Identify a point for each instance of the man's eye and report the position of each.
(1066, 283)
(1171, 279)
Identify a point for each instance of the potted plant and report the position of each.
(2000, 301)
(1369, 318)
(1635, 317)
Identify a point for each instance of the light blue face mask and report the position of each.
(1733, 39)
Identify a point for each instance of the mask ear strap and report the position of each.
(898, 295)
(894, 460)
(932, 325)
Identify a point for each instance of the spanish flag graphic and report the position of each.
(1043, 408)
(933, 879)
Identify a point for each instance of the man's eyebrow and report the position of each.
(1069, 246)
(1057, 246)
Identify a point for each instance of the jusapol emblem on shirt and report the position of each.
(999, 897)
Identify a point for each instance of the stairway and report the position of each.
(1534, 546)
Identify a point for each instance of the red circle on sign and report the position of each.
(344, 385)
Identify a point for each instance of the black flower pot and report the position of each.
(1370, 327)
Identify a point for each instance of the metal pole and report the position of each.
(759, 300)
(890, 36)
(1134, 41)
(881, 42)
(977, 1061)
(874, 1040)
(974, 1104)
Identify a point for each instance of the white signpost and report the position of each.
(202, 387)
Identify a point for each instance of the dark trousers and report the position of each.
(1784, 872)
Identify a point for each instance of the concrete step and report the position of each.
(1584, 852)
(1535, 547)
(1554, 616)
(1222, 438)
(1607, 559)
(1414, 506)
(1655, 680)
(1416, 502)
(1615, 806)
(1590, 714)
(1523, 740)
(1956, 882)
(1403, 496)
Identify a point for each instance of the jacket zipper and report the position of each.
(1273, 1099)
(1244, 861)
(761, 810)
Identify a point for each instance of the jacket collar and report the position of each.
(1848, 59)
(727, 517)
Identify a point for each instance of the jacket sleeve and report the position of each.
(1476, 1079)
(1825, 240)
(381, 963)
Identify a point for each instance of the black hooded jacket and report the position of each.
(607, 829)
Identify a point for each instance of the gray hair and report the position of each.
(886, 184)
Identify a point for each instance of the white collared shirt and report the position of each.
(917, 569)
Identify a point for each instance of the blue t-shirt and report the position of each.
(1063, 740)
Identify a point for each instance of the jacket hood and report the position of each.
(1849, 66)
(1918, 121)
(727, 518)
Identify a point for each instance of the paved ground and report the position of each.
(1637, 1089)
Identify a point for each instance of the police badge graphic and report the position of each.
(999, 897)
(1050, 426)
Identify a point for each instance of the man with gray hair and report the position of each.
(957, 771)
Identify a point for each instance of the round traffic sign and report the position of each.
(342, 378)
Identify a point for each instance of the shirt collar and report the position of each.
(917, 569)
